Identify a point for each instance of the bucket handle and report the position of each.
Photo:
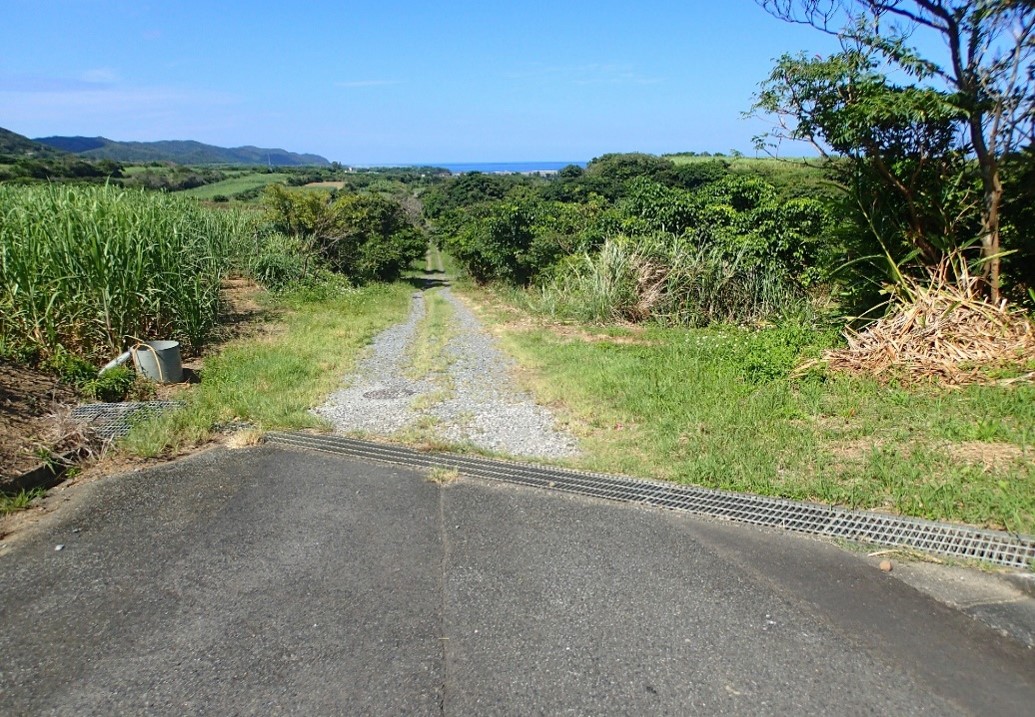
(158, 364)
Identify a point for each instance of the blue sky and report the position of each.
(395, 82)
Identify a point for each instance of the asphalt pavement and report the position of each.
(272, 581)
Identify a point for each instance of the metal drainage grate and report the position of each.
(113, 420)
(992, 546)
(386, 393)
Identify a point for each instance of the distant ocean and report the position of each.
(490, 167)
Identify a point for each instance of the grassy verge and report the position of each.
(717, 407)
(446, 264)
(427, 356)
(433, 260)
(271, 380)
(428, 359)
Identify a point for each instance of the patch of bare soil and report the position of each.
(988, 456)
(575, 333)
(33, 419)
(242, 314)
(854, 449)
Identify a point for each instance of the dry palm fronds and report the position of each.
(944, 330)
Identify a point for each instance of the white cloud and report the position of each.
(100, 76)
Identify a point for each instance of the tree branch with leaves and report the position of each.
(984, 72)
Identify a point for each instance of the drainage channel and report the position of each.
(1012, 550)
(114, 420)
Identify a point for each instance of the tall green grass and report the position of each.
(666, 279)
(88, 269)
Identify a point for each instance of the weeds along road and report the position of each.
(271, 581)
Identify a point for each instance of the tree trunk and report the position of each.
(990, 240)
(992, 187)
(993, 190)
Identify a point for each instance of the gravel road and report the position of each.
(475, 401)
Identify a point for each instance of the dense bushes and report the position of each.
(58, 168)
(638, 240)
(503, 241)
(363, 236)
(174, 178)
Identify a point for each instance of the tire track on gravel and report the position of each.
(484, 406)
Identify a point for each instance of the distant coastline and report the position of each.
(507, 167)
(495, 167)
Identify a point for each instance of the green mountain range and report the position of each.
(178, 151)
(13, 144)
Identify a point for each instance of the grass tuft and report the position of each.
(443, 476)
(19, 501)
(427, 353)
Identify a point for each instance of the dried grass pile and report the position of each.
(945, 331)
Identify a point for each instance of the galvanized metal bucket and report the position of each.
(159, 360)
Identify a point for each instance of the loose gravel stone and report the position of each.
(358, 407)
(484, 407)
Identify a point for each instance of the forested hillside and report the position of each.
(179, 151)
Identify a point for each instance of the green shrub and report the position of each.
(111, 386)
(363, 236)
(72, 369)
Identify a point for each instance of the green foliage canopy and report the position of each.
(363, 236)
(980, 84)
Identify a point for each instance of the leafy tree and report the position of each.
(907, 173)
(570, 172)
(608, 174)
(984, 74)
(297, 212)
(465, 190)
(1019, 221)
(493, 242)
(658, 208)
(364, 236)
(746, 216)
(373, 237)
(697, 174)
